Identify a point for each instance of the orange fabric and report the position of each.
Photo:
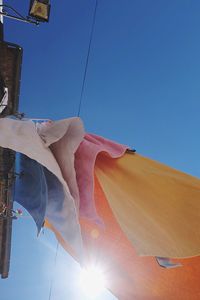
(157, 207)
(129, 276)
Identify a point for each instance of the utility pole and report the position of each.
(5, 224)
(1, 40)
(10, 69)
(10, 73)
(1, 21)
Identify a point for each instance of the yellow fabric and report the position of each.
(157, 207)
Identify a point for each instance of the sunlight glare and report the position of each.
(92, 282)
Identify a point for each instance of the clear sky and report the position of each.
(142, 89)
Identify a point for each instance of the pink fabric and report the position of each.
(85, 158)
(55, 145)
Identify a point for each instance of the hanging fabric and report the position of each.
(35, 142)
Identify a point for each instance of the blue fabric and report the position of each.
(167, 263)
(31, 189)
(57, 212)
(41, 194)
(55, 197)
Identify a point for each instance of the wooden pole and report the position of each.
(1, 22)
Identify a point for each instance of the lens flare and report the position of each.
(92, 281)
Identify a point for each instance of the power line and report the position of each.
(52, 279)
(79, 109)
(87, 57)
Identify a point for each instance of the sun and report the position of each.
(92, 281)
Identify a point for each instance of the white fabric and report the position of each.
(63, 137)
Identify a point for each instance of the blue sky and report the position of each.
(142, 89)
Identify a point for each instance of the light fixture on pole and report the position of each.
(40, 10)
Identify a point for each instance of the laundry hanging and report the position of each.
(85, 159)
(134, 206)
(156, 206)
(128, 275)
(25, 137)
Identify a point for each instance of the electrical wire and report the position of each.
(87, 57)
(52, 279)
(79, 107)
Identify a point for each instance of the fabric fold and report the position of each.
(31, 189)
(157, 207)
(85, 158)
(23, 136)
(129, 276)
